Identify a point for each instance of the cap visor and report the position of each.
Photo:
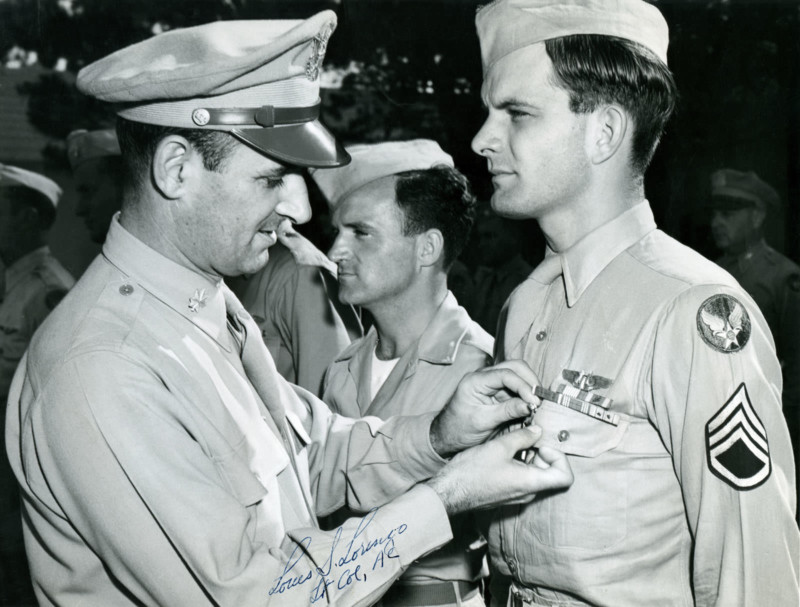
(308, 144)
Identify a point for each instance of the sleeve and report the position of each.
(153, 506)
(789, 352)
(363, 463)
(714, 385)
(318, 334)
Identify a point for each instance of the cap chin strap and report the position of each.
(264, 116)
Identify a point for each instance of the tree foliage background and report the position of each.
(413, 70)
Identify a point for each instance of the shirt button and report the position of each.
(563, 436)
(126, 289)
(541, 335)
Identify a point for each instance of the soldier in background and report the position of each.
(741, 202)
(34, 283)
(97, 168)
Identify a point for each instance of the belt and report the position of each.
(404, 594)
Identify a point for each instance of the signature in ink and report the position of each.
(347, 562)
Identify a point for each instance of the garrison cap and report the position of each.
(14, 176)
(257, 80)
(373, 161)
(505, 26)
(85, 145)
(731, 189)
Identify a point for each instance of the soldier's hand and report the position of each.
(488, 475)
(484, 400)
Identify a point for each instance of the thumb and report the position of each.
(511, 409)
(522, 439)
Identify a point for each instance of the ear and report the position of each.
(430, 247)
(606, 130)
(174, 163)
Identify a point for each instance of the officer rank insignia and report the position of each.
(318, 49)
(736, 443)
(198, 300)
(723, 323)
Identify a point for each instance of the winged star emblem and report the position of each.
(723, 323)
(725, 329)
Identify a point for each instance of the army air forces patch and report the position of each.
(736, 443)
(723, 323)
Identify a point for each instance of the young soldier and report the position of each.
(659, 378)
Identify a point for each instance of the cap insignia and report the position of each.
(723, 323)
(319, 44)
(201, 117)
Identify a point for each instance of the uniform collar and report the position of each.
(197, 297)
(582, 262)
(439, 342)
(26, 264)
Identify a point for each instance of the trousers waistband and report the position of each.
(405, 594)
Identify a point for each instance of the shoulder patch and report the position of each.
(794, 282)
(737, 449)
(723, 323)
(53, 297)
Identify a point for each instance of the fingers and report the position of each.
(512, 376)
(558, 474)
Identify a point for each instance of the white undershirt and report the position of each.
(381, 369)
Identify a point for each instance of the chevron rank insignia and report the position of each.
(723, 323)
(736, 443)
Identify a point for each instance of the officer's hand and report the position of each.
(488, 475)
(484, 400)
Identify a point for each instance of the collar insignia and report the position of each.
(585, 381)
(723, 323)
(198, 300)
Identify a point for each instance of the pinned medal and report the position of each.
(723, 323)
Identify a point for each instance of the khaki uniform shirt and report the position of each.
(131, 430)
(666, 400)
(422, 381)
(302, 323)
(34, 284)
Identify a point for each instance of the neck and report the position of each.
(566, 224)
(401, 322)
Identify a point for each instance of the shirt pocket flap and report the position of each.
(242, 481)
(576, 433)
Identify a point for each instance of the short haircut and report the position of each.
(138, 142)
(437, 198)
(22, 196)
(597, 69)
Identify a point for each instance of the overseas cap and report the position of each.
(14, 176)
(84, 145)
(729, 187)
(258, 80)
(505, 26)
(374, 161)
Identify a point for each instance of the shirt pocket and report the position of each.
(591, 514)
(235, 470)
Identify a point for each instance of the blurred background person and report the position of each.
(403, 214)
(96, 164)
(740, 203)
(501, 267)
(35, 282)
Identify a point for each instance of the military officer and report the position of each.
(97, 169)
(403, 214)
(659, 377)
(35, 282)
(162, 459)
(740, 202)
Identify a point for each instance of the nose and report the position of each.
(716, 219)
(293, 203)
(486, 141)
(339, 251)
